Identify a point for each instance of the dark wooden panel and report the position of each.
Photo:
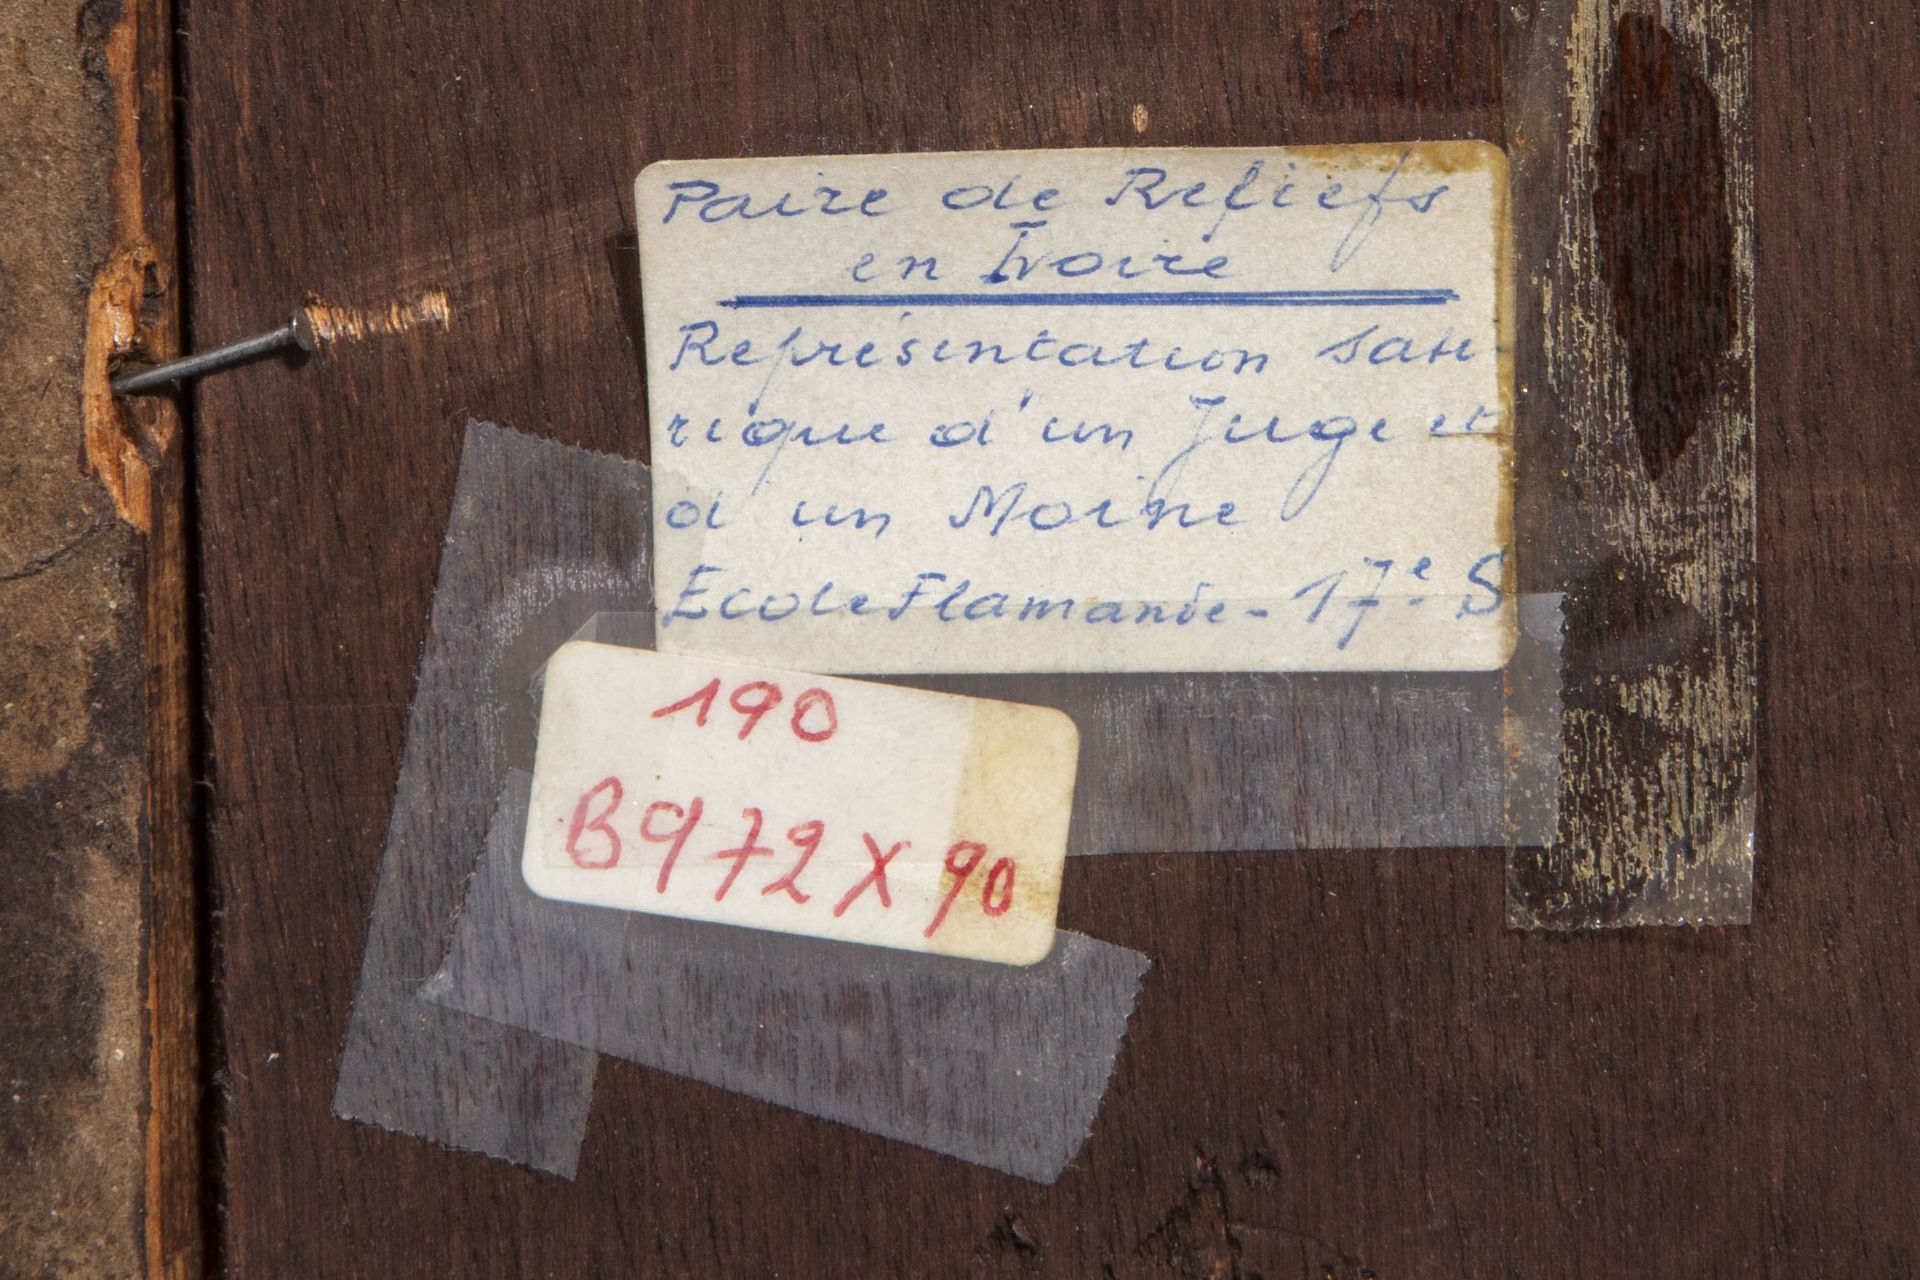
(1341, 1063)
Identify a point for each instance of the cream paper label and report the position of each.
(1103, 410)
(862, 812)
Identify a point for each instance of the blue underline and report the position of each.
(1195, 298)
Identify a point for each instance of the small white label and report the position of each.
(1240, 409)
(803, 804)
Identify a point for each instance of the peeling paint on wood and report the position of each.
(1630, 134)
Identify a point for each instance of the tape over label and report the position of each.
(802, 804)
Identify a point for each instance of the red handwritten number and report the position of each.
(581, 824)
(877, 877)
(1006, 891)
(959, 871)
(808, 701)
(769, 698)
(702, 697)
(675, 839)
(754, 700)
(750, 848)
(806, 838)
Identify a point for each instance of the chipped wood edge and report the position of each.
(137, 449)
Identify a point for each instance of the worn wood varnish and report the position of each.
(1342, 1063)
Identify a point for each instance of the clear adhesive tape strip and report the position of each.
(998, 1065)
(545, 539)
(1196, 763)
(541, 536)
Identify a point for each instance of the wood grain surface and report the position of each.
(1342, 1063)
(101, 1086)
